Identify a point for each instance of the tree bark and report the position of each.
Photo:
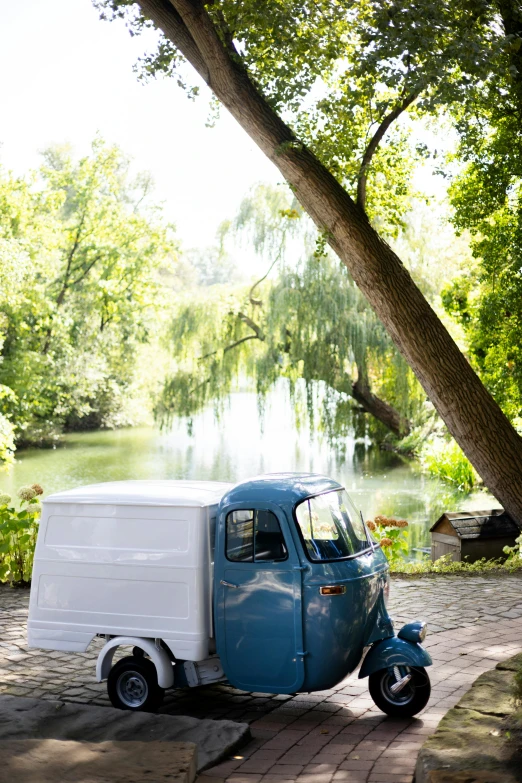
(381, 410)
(470, 413)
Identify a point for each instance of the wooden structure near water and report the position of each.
(472, 535)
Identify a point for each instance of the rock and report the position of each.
(471, 776)
(50, 760)
(471, 744)
(491, 693)
(464, 738)
(512, 664)
(22, 718)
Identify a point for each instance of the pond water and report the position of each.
(240, 445)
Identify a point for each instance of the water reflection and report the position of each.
(239, 446)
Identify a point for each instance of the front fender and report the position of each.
(394, 652)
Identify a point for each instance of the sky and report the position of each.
(66, 76)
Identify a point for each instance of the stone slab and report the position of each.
(22, 718)
(471, 744)
(512, 664)
(51, 760)
(472, 776)
(491, 693)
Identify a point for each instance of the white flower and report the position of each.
(4, 499)
(26, 493)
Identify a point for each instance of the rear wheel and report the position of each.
(407, 701)
(132, 684)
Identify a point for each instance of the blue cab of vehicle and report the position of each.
(300, 594)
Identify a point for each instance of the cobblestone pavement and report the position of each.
(336, 735)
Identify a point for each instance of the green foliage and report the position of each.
(83, 252)
(7, 444)
(445, 460)
(391, 535)
(308, 324)
(345, 75)
(18, 531)
(445, 565)
(514, 553)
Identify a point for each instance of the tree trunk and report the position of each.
(380, 409)
(470, 413)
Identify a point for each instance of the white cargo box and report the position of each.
(126, 558)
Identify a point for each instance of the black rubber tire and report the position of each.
(134, 679)
(408, 702)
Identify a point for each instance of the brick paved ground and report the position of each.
(335, 735)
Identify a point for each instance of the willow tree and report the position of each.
(310, 324)
(261, 61)
(307, 322)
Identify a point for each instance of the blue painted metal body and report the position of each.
(275, 631)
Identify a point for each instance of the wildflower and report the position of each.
(386, 541)
(37, 488)
(26, 493)
(381, 520)
(402, 523)
(371, 525)
(35, 508)
(4, 499)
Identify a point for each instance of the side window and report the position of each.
(254, 536)
(240, 536)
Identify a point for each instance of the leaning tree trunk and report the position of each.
(470, 413)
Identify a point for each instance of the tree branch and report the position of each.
(258, 335)
(85, 271)
(374, 143)
(258, 302)
(255, 328)
(70, 257)
(166, 17)
(239, 342)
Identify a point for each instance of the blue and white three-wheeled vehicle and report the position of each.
(273, 584)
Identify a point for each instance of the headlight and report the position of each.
(414, 632)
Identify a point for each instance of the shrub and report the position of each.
(18, 531)
(390, 533)
(446, 565)
(514, 553)
(446, 461)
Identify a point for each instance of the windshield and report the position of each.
(331, 527)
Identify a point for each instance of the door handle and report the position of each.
(227, 584)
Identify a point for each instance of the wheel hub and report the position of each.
(397, 695)
(132, 689)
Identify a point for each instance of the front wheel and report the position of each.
(407, 701)
(132, 684)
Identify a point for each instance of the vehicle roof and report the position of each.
(146, 493)
(280, 488)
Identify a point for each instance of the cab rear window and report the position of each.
(331, 527)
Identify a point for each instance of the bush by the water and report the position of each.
(446, 461)
(18, 530)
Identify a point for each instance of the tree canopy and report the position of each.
(83, 255)
(307, 322)
(271, 65)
